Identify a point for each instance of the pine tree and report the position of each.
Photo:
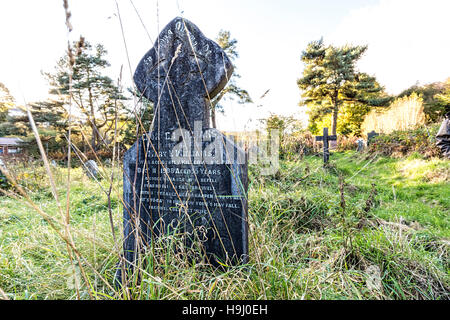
(95, 95)
(51, 120)
(330, 81)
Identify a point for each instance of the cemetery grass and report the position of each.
(365, 227)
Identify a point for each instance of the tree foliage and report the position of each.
(50, 118)
(6, 104)
(330, 83)
(97, 98)
(51, 121)
(98, 113)
(139, 120)
(436, 99)
(232, 90)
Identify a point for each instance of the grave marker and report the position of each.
(91, 169)
(326, 147)
(360, 147)
(371, 136)
(183, 175)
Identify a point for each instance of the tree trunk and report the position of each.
(213, 104)
(83, 143)
(93, 138)
(335, 114)
(93, 124)
(213, 117)
(334, 121)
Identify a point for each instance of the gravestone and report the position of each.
(91, 169)
(371, 135)
(360, 143)
(183, 176)
(326, 147)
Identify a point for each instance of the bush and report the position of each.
(404, 143)
(4, 183)
(298, 144)
(346, 143)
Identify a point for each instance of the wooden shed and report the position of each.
(10, 146)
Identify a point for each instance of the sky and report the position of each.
(407, 39)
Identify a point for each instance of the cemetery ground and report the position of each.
(365, 227)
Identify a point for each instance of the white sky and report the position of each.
(408, 41)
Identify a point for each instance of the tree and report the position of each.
(11, 117)
(6, 104)
(51, 120)
(6, 101)
(443, 99)
(284, 125)
(330, 81)
(139, 120)
(95, 94)
(232, 90)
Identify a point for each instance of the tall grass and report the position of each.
(403, 114)
(359, 229)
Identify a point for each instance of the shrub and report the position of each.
(298, 144)
(4, 184)
(346, 143)
(403, 143)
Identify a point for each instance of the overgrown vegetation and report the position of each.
(403, 114)
(365, 227)
(436, 98)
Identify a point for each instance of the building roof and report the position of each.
(10, 141)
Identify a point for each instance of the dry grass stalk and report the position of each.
(3, 295)
(67, 216)
(68, 15)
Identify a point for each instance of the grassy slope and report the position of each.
(387, 241)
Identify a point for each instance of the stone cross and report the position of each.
(326, 148)
(183, 177)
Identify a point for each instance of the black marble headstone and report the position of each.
(371, 135)
(183, 176)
